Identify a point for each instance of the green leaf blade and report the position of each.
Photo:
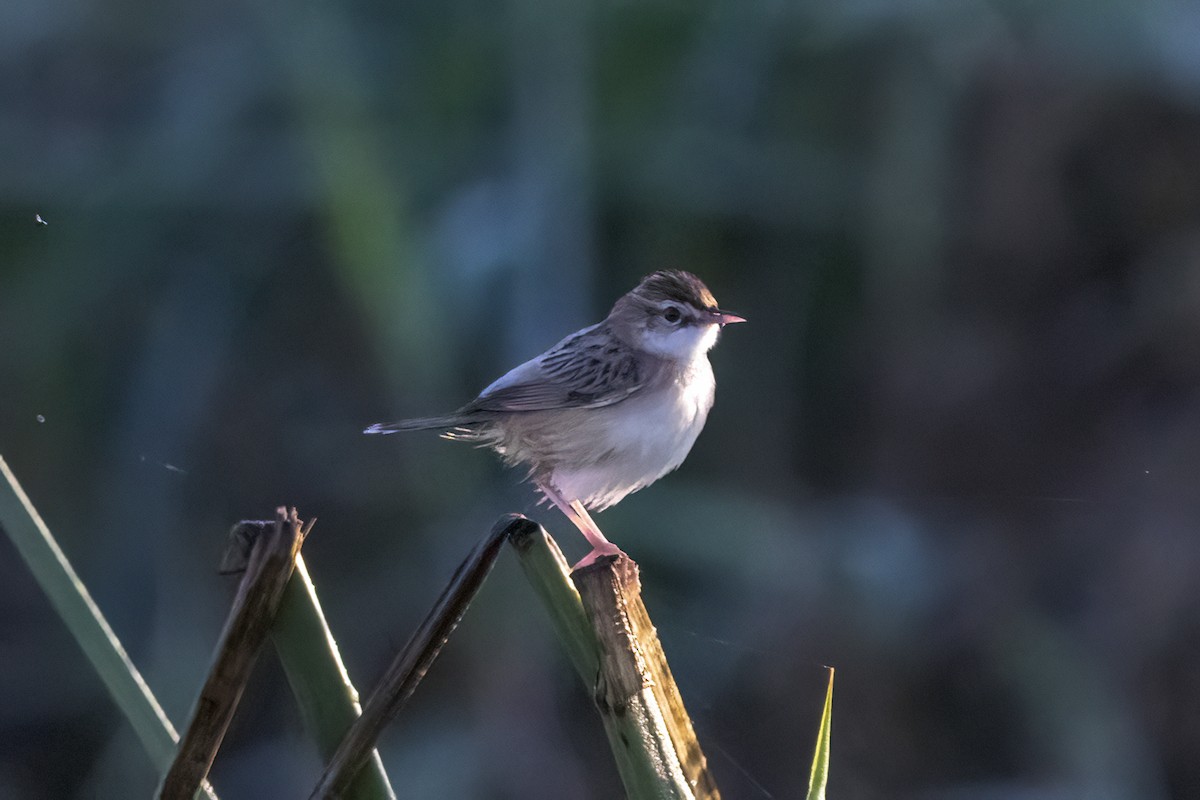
(820, 765)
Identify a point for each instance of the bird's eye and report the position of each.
(672, 315)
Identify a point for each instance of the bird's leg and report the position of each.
(575, 512)
(591, 531)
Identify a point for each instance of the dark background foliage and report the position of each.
(954, 453)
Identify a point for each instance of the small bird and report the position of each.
(608, 410)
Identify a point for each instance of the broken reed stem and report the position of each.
(602, 623)
(272, 559)
(635, 693)
(86, 623)
(599, 617)
(327, 699)
(410, 666)
(547, 571)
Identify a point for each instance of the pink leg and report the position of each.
(586, 525)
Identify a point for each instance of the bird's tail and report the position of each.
(420, 424)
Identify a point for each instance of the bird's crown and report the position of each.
(677, 285)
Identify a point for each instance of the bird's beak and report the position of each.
(724, 318)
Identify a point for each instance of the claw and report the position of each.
(608, 549)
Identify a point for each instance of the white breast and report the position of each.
(628, 446)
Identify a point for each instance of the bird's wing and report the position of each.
(588, 369)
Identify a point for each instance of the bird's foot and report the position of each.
(599, 551)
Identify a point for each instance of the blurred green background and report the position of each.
(954, 453)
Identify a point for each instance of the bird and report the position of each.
(606, 411)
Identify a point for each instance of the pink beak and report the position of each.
(724, 318)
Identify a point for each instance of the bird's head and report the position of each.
(671, 314)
